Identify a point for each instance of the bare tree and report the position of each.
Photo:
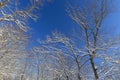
(61, 56)
(13, 39)
(12, 12)
(90, 18)
(12, 50)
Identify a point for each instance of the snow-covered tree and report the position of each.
(16, 13)
(12, 51)
(90, 17)
(86, 54)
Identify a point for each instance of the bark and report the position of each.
(94, 69)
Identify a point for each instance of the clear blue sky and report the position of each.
(53, 17)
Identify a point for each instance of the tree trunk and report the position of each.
(78, 66)
(94, 69)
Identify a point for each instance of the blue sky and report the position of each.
(113, 19)
(53, 17)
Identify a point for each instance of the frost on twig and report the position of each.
(12, 49)
(13, 12)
